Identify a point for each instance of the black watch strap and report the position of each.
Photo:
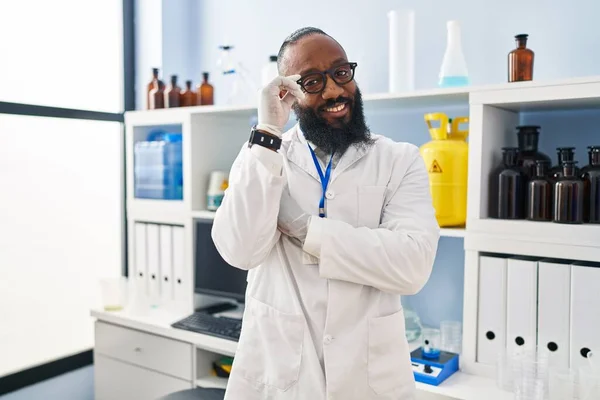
(263, 139)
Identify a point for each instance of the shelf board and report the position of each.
(212, 382)
(204, 214)
(538, 239)
(157, 211)
(418, 99)
(462, 386)
(453, 232)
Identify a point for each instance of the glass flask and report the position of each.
(188, 95)
(520, 61)
(564, 154)
(539, 194)
(453, 72)
(172, 94)
(528, 137)
(507, 187)
(591, 181)
(568, 196)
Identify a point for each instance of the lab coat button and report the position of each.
(330, 194)
(327, 339)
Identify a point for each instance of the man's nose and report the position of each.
(332, 90)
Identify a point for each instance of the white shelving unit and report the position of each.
(213, 136)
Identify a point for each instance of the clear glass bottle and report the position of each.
(157, 96)
(568, 196)
(507, 187)
(172, 94)
(591, 184)
(206, 92)
(539, 194)
(520, 61)
(528, 137)
(188, 95)
(564, 154)
(150, 86)
(453, 72)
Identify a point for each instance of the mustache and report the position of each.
(332, 102)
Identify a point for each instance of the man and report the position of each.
(333, 224)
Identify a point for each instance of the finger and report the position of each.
(289, 98)
(289, 83)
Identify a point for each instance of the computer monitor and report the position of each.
(213, 275)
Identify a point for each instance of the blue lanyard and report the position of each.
(324, 179)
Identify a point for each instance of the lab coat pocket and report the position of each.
(370, 205)
(270, 347)
(389, 359)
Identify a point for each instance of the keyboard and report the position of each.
(201, 322)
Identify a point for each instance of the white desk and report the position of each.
(139, 355)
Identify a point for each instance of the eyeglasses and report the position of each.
(315, 82)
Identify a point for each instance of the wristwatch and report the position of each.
(264, 139)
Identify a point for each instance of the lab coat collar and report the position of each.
(298, 154)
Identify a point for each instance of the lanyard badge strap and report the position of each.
(324, 179)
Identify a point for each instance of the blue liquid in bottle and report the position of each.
(453, 81)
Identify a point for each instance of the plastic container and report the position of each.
(114, 293)
(218, 183)
(453, 72)
(158, 169)
(401, 50)
(447, 159)
(269, 71)
(451, 336)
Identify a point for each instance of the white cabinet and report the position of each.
(117, 380)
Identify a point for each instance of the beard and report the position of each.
(329, 138)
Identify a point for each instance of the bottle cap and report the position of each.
(226, 47)
(205, 75)
(528, 128)
(569, 162)
(173, 79)
(188, 83)
(542, 162)
(521, 36)
(155, 71)
(273, 58)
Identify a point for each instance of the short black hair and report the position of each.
(294, 38)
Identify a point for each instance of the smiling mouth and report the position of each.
(336, 108)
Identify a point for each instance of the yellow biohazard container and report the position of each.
(447, 158)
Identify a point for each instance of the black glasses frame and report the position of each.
(324, 74)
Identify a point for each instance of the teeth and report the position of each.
(336, 108)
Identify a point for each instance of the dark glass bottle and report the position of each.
(157, 96)
(188, 95)
(172, 94)
(520, 61)
(205, 92)
(151, 86)
(528, 137)
(568, 196)
(539, 194)
(564, 154)
(591, 184)
(589, 164)
(507, 188)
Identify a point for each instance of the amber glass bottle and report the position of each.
(151, 86)
(507, 187)
(157, 96)
(564, 154)
(520, 61)
(188, 95)
(172, 94)
(568, 196)
(528, 137)
(591, 183)
(539, 194)
(205, 92)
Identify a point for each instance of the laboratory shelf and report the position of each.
(204, 214)
(212, 382)
(453, 232)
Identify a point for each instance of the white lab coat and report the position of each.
(333, 329)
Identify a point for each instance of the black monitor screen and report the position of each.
(213, 274)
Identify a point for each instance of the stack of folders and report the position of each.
(551, 305)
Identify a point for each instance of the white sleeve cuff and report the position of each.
(312, 243)
(272, 160)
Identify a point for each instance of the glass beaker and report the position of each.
(114, 293)
(451, 336)
(430, 339)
